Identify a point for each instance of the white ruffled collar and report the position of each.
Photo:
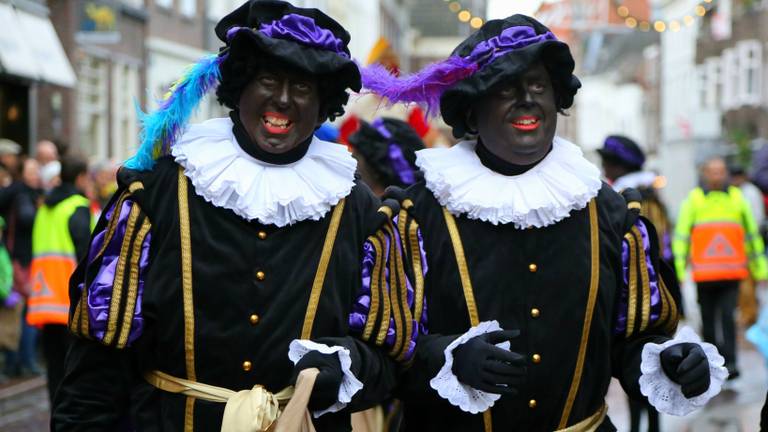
(226, 176)
(544, 195)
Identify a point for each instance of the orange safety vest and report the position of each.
(718, 252)
(53, 262)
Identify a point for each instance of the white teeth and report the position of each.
(526, 122)
(274, 121)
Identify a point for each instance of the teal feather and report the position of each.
(161, 128)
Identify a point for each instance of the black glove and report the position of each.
(687, 365)
(480, 364)
(326, 390)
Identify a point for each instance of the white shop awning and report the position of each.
(30, 48)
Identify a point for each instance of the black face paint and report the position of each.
(518, 120)
(280, 108)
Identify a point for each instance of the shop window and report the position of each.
(750, 71)
(165, 4)
(188, 8)
(729, 79)
(92, 94)
(712, 84)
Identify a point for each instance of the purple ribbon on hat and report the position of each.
(300, 29)
(428, 85)
(616, 147)
(395, 153)
(510, 39)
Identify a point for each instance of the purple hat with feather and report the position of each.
(258, 31)
(304, 38)
(499, 51)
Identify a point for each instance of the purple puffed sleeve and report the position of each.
(378, 255)
(100, 290)
(640, 286)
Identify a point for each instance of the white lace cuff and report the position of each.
(350, 385)
(448, 385)
(666, 395)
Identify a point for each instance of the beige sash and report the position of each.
(255, 410)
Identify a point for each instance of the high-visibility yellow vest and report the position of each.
(53, 261)
(717, 234)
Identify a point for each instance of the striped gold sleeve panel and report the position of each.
(646, 303)
(389, 308)
(110, 290)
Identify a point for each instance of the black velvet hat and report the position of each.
(305, 38)
(389, 148)
(534, 43)
(622, 150)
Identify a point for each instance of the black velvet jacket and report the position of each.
(250, 286)
(538, 281)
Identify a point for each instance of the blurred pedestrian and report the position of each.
(751, 192)
(623, 161)
(10, 310)
(386, 153)
(717, 236)
(10, 152)
(60, 237)
(46, 152)
(21, 218)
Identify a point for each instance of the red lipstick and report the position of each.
(276, 123)
(526, 123)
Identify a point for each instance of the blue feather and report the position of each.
(161, 128)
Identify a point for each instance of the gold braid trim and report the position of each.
(187, 294)
(384, 326)
(375, 275)
(402, 282)
(117, 285)
(594, 285)
(418, 292)
(644, 278)
(322, 268)
(394, 291)
(632, 286)
(133, 284)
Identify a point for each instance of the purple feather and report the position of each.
(424, 87)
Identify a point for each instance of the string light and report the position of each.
(661, 26)
(464, 15)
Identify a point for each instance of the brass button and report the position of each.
(247, 365)
(532, 403)
(254, 319)
(260, 275)
(262, 235)
(536, 358)
(535, 313)
(532, 268)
